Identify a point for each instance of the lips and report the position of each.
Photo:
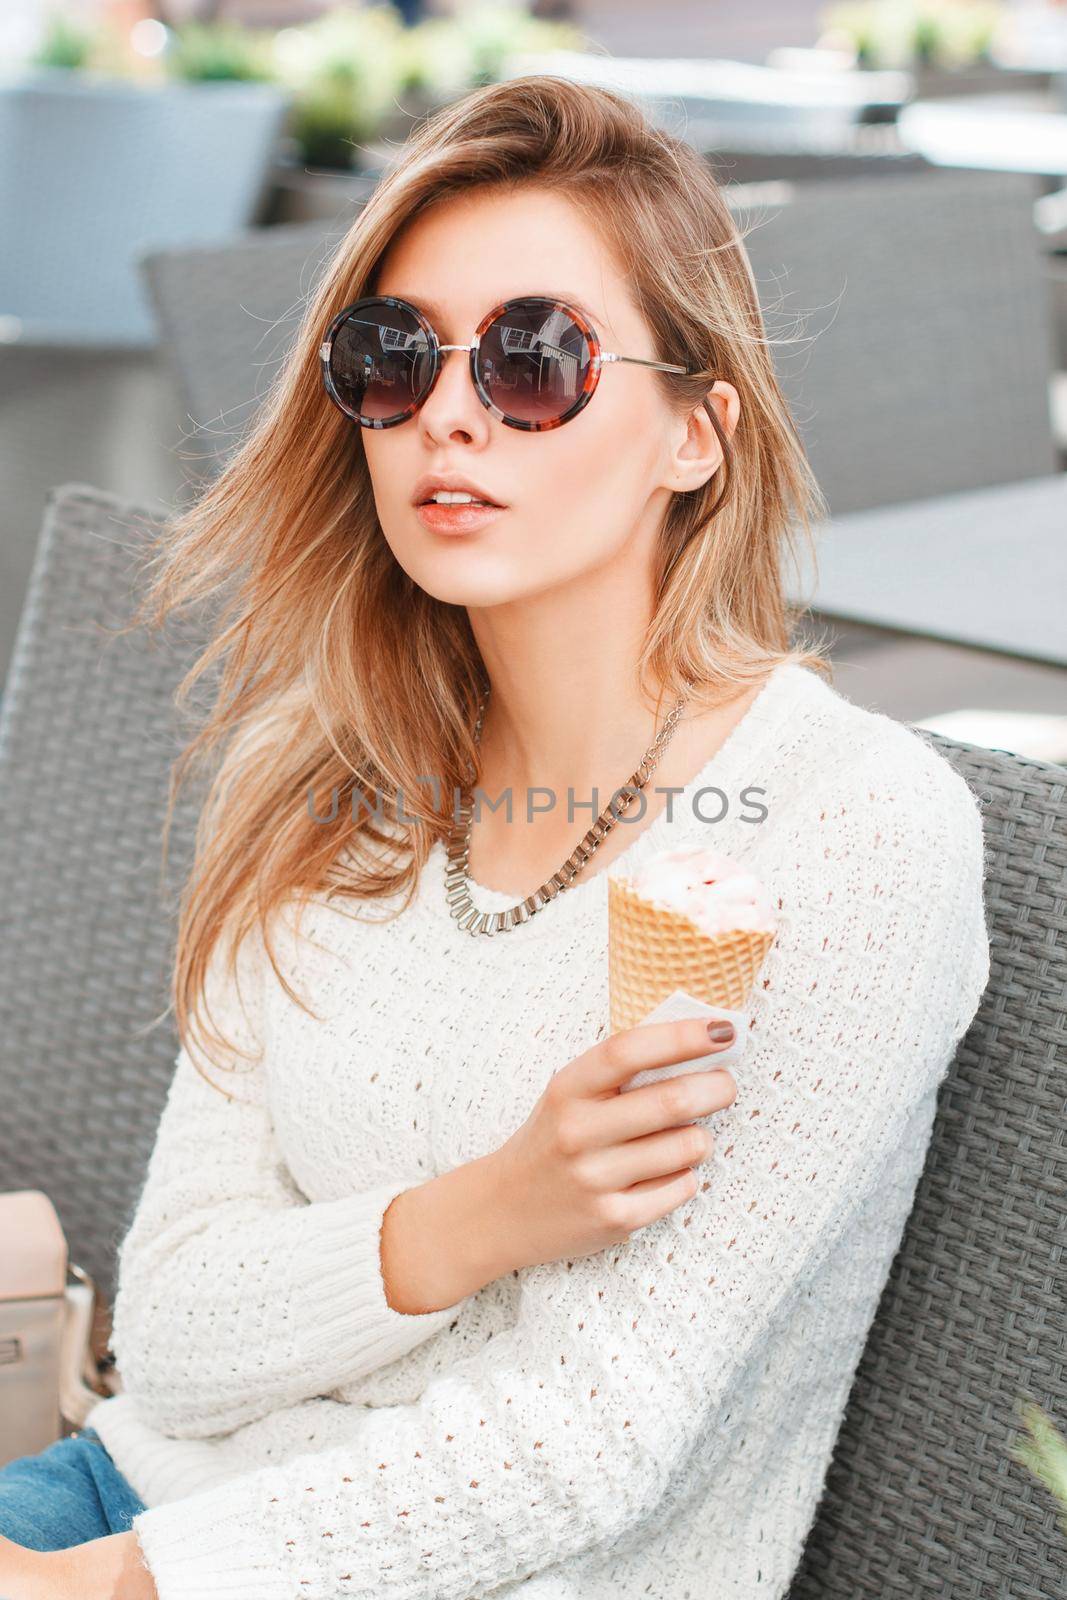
(470, 517)
(475, 500)
(428, 486)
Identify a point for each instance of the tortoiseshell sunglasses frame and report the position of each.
(598, 358)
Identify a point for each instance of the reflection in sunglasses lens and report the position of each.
(381, 361)
(534, 361)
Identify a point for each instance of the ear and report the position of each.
(696, 451)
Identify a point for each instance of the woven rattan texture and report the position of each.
(652, 952)
(87, 736)
(922, 1497)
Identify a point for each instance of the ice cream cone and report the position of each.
(653, 951)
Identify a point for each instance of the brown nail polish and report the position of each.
(720, 1031)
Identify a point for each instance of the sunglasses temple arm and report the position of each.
(640, 361)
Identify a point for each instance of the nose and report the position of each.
(452, 410)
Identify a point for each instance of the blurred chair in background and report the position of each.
(226, 316)
(734, 164)
(925, 360)
(94, 172)
(921, 379)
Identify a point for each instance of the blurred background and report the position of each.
(173, 173)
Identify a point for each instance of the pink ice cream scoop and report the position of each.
(713, 891)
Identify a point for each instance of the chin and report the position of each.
(476, 570)
(468, 587)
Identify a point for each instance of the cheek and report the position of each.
(599, 456)
(392, 468)
(596, 470)
(574, 494)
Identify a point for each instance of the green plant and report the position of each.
(903, 33)
(1045, 1454)
(928, 36)
(970, 30)
(350, 69)
(875, 31)
(64, 43)
(446, 56)
(492, 33)
(216, 52)
(344, 73)
(434, 59)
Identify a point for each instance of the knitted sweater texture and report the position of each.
(654, 1421)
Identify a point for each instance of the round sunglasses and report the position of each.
(535, 361)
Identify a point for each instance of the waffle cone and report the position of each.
(652, 952)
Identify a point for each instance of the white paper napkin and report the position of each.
(676, 1008)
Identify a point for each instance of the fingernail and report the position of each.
(720, 1031)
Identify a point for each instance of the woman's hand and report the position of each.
(102, 1569)
(591, 1164)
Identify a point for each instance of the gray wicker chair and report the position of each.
(226, 315)
(925, 357)
(921, 1497)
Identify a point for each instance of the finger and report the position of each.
(654, 1156)
(683, 1181)
(652, 1044)
(675, 1101)
(656, 1197)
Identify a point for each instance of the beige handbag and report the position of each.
(49, 1371)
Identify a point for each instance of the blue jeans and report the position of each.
(65, 1495)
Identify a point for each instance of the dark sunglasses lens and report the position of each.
(381, 361)
(535, 362)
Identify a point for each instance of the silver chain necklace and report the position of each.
(457, 880)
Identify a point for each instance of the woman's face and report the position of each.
(572, 497)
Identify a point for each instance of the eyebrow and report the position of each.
(432, 310)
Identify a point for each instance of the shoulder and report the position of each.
(873, 813)
(882, 859)
(849, 752)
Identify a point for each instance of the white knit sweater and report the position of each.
(654, 1421)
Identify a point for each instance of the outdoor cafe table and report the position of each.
(987, 568)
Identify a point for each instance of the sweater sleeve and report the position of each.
(560, 1435)
(237, 1295)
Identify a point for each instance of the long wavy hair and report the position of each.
(339, 674)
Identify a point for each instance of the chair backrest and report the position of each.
(92, 173)
(922, 1497)
(88, 733)
(924, 360)
(736, 163)
(226, 316)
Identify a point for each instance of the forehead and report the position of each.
(467, 253)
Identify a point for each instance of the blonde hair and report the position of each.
(338, 673)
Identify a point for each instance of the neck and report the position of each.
(566, 710)
(567, 714)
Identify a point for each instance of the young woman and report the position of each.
(421, 1304)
